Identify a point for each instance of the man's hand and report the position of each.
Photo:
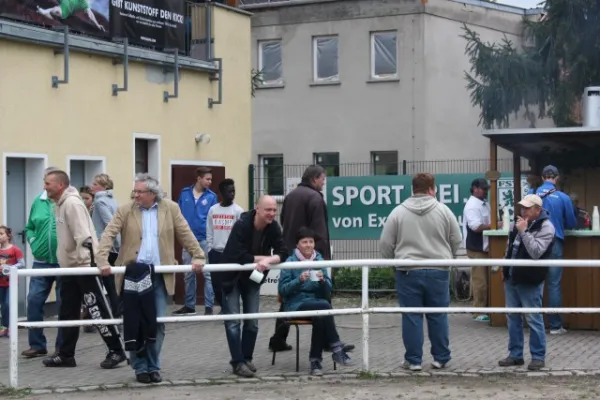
(304, 276)
(101, 28)
(105, 270)
(197, 266)
(264, 264)
(522, 224)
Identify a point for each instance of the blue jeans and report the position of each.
(241, 342)
(39, 290)
(4, 306)
(525, 296)
(190, 282)
(151, 362)
(554, 291)
(424, 288)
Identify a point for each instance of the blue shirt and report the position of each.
(559, 206)
(195, 212)
(149, 250)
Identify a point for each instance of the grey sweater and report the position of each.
(105, 208)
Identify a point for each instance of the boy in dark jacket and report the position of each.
(255, 238)
(531, 239)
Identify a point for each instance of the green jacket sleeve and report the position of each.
(30, 228)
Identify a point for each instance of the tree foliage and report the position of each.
(559, 58)
(257, 80)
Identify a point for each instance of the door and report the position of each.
(182, 176)
(16, 214)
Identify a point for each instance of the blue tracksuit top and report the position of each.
(561, 209)
(195, 212)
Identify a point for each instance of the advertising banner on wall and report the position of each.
(91, 17)
(155, 23)
(358, 206)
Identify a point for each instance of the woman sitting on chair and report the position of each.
(309, 289)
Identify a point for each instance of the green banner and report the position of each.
(359, 205)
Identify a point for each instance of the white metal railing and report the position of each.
(364, 310)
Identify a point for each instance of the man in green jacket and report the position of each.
(41, 236)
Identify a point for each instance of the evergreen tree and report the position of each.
(560, 58)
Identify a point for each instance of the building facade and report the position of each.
(367, 87)
(158, 124)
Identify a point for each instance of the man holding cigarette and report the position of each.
(255, 238)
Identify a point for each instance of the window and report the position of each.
(270, 61)
(384, 162)
(271, 175)
(325, 59)
(146, 154)
(141, 156)
(329, 161)
(82, 169)
(384, 53)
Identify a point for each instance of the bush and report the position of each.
(351, 279)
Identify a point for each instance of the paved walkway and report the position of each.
(195, 351)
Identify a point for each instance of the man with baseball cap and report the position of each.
(562, 215)
(476, 219)
(532, 238)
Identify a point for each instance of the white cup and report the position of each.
(257, 276)
(6, 270)
(313, 275)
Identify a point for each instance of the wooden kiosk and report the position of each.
(576, 153)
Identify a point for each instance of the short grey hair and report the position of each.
(151, 185)
(50, 169)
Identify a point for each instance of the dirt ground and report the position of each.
(489, 388)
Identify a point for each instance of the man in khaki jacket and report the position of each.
(148, 228)
(74, 231)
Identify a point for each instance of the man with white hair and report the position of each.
(149, 226)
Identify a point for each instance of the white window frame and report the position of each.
(316, 59)
(88, 176)
(154, 154)
(275, 82)
(372, 41)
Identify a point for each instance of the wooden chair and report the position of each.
(296, 323)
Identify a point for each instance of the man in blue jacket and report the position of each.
(562, 215)
(194, 202)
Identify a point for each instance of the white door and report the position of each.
(16, 218)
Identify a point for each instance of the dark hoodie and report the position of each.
(238, 249)
(534, 243)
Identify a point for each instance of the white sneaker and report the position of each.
(412, 367)
(559, 331)
(438, 365)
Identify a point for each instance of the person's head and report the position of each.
(227, 190)
(146, 190)
(266, 209)
(55, 183)
(305, 241)
(314, 176)
(424, 184)
(87, 195)
(531, 206)
(479, 188)
(49, 169)
(550, 174)
(203, 178)
(102, 182)
(5, 234)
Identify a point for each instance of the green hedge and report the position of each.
(351, 279)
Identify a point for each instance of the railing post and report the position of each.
(365, 318)
(13, 328)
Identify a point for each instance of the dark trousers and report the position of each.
(74, 290)
(282, 330)
(324, 332)
(216, 257)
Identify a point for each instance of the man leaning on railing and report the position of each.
(531, 238)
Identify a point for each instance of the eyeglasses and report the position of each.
(139, 191)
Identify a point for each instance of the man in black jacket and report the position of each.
(255, 238)
(531, 239)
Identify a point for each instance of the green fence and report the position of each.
(278, 179)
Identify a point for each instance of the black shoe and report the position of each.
(143, 378)
(155, 377)
(243, 371)
(185, 311)
(60, 362)
(113, 359)
(208, 311)
(511, 362)
(277, 345)
(536, 365)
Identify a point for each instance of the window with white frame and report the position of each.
(271, 175)
(325, 59)
(384, 55)
(270, 62)
(384, 162)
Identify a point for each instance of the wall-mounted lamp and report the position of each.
(202, 138)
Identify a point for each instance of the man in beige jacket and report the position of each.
(148, 227)
(75, 230)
